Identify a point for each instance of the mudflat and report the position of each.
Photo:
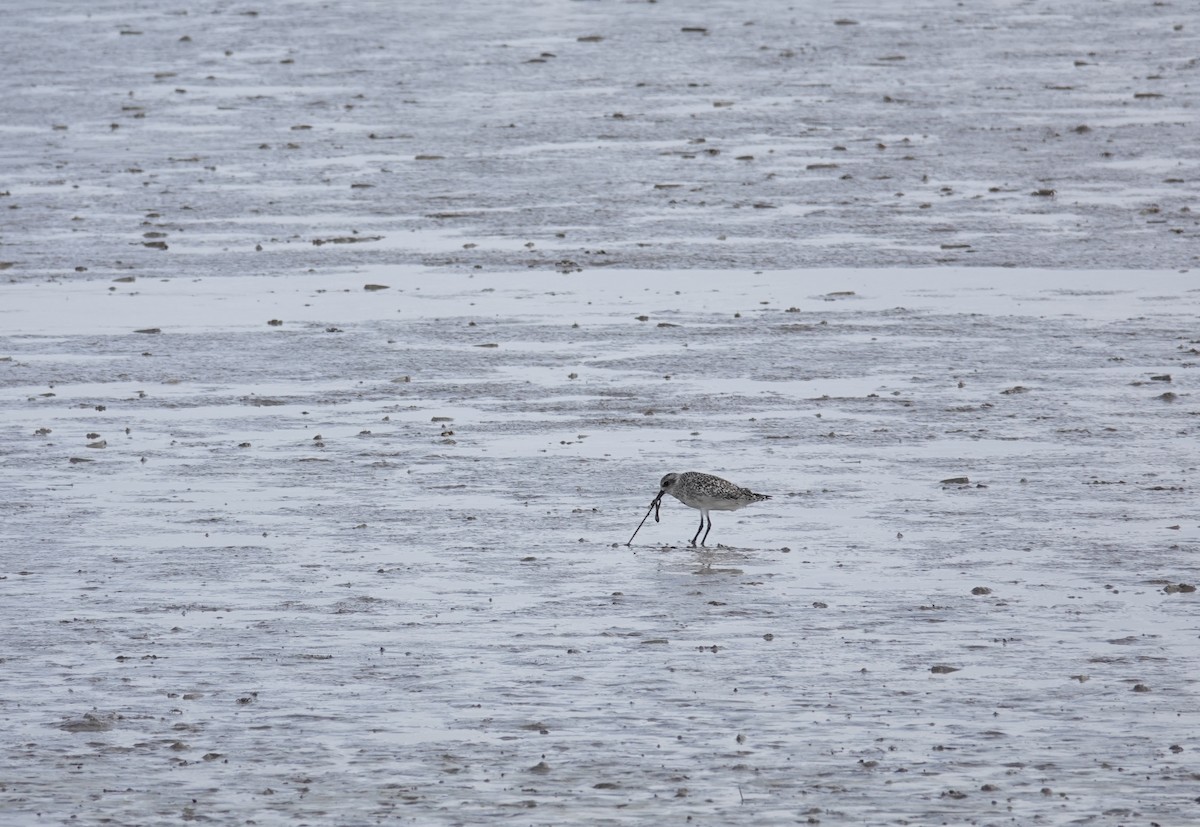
(342, 350)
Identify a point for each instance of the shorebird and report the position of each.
(707, 493)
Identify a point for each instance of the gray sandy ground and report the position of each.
(368, 564)
(633, 134)
(342, 347)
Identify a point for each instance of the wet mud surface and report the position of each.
(567, 135)
(342, 348)
(366, 564)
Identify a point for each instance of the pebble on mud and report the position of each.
(981, 590)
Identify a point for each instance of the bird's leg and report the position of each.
(698, 530)
(705, 514)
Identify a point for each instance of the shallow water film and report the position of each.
(343, 347)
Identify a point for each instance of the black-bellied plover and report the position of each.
(707, 493)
